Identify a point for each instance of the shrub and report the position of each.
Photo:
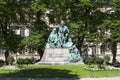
(27, 61)
(20, 61)
(89, 60)
(99, 61)
(10, 59)
(106, 59)
(1, 62)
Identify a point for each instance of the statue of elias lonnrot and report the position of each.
(60, 38)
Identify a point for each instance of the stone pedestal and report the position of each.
(54, 56)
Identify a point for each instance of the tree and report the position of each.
(36, 41)
(85, 19)
(112, 23)
(39, 28)
(115, 28)
(6, 32)
(10, 19)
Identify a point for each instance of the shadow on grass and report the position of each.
(40, 73)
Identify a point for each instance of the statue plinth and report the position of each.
(55, 56)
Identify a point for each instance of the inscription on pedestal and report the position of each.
(55, 55)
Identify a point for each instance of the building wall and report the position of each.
(100, 50)
(22, 31)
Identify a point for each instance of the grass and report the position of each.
(56, 71)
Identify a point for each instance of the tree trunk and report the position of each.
(114, 51)
(40, 52)
(6, 56)
(80, 43)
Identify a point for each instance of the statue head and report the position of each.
(54, 30)
(62, 23)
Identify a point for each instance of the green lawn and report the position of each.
(54, 71)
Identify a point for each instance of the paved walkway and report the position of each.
(106, 78)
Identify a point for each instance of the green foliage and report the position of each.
(27, 61)
(99, 61)
(106, 58)
(10, 59)
(34, 40)
(39, 29)
(39, 5)
(89, 60)
(9, 21)
(1, 62)
(20, 61)
(112, 23)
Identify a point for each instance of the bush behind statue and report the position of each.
(89, 61)
(106, 59)
(1, 62)
(27, 61)
(10, 60)
(99, 61)
(21, 61)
